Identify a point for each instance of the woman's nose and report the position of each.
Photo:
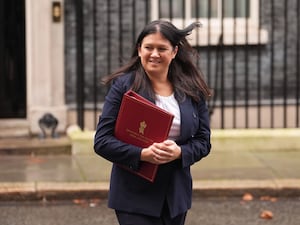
(155, 53)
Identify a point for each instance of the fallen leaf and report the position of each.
(268, 198)
(95, 200)
(266, 214)
(248, 197)
(79, 201)
(264, 198)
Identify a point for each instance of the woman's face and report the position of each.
(156, 53)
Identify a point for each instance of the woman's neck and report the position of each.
(163, 88)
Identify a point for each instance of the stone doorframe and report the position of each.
(45, 64)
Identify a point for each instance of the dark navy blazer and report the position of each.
(173, 182)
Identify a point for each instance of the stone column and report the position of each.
(45, 64)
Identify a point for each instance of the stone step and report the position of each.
(10, 128)
(35, 146)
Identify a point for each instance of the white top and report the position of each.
(170, 104)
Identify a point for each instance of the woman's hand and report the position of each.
(160, 153)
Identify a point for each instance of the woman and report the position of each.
(162, 70)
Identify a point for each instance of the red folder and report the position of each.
(141, 123)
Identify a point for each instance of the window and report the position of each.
(231, 7)
(237, 20)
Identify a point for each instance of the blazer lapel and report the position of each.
(187, 113)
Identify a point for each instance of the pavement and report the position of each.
(35, 169)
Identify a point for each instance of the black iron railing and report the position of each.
(252, 65)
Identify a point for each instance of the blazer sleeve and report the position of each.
(105, 143)
(197, 145)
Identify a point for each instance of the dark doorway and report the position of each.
(12, 59)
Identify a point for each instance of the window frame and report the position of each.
(236, 31)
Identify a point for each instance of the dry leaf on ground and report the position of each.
(266, 214)
(248, 197)
(268, 198)
(79, 201)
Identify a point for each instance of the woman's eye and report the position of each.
(162, 49)
(149, 48)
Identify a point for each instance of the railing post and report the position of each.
(79, 64)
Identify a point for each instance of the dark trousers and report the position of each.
(126, 218)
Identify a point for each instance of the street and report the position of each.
(208, 211)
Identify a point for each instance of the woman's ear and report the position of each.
(175, 51)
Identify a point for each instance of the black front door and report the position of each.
(12, 59)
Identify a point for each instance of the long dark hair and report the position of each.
(186, 78)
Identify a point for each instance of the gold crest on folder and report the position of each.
(142, 128)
